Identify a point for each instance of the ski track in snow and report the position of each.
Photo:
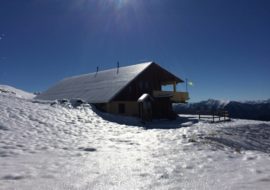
(44, 146)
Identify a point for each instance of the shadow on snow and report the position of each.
(155, 124)
(255, 137)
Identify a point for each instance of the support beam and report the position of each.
(174, 86)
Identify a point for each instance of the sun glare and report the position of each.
(119, 3)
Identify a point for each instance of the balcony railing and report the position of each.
(176, 97)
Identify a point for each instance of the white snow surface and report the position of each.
(11, 91)
(48, 145)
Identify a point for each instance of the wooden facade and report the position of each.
(147, 82)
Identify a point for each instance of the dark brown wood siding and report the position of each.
(148, 81)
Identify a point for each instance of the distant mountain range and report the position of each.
(256, 110)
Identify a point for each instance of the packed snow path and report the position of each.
(53, 146)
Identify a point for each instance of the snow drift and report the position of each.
(11, 91)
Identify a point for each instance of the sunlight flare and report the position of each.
(119, 3)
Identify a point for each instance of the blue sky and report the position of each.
(223, 46)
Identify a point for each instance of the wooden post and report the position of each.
(174, 86)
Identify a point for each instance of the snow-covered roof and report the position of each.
(97, 87)
(144, 97)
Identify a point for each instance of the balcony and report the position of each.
(176, 97)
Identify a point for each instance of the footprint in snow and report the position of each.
(3, 128)
(88, 149)
(13, 177)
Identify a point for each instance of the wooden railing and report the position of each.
(215, 116)
(176, 97)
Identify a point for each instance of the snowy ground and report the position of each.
(54, 146)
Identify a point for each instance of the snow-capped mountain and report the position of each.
(62, 145)
(257, 110)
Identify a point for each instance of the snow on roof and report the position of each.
(144, 97)
(97, 87)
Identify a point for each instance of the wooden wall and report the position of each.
(131, 108)
(148, 81)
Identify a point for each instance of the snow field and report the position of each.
(45, 145)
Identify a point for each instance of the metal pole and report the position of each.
(96, 72)
(186, 85)
(117, 67)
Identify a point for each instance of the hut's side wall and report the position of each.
(146, 82)
(129, 108)
(151, 79)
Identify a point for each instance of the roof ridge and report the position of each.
(101, 88)
(107, 70)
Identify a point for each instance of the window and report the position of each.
(121, 108)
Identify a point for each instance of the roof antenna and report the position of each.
(117, 67)
(96, 72)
